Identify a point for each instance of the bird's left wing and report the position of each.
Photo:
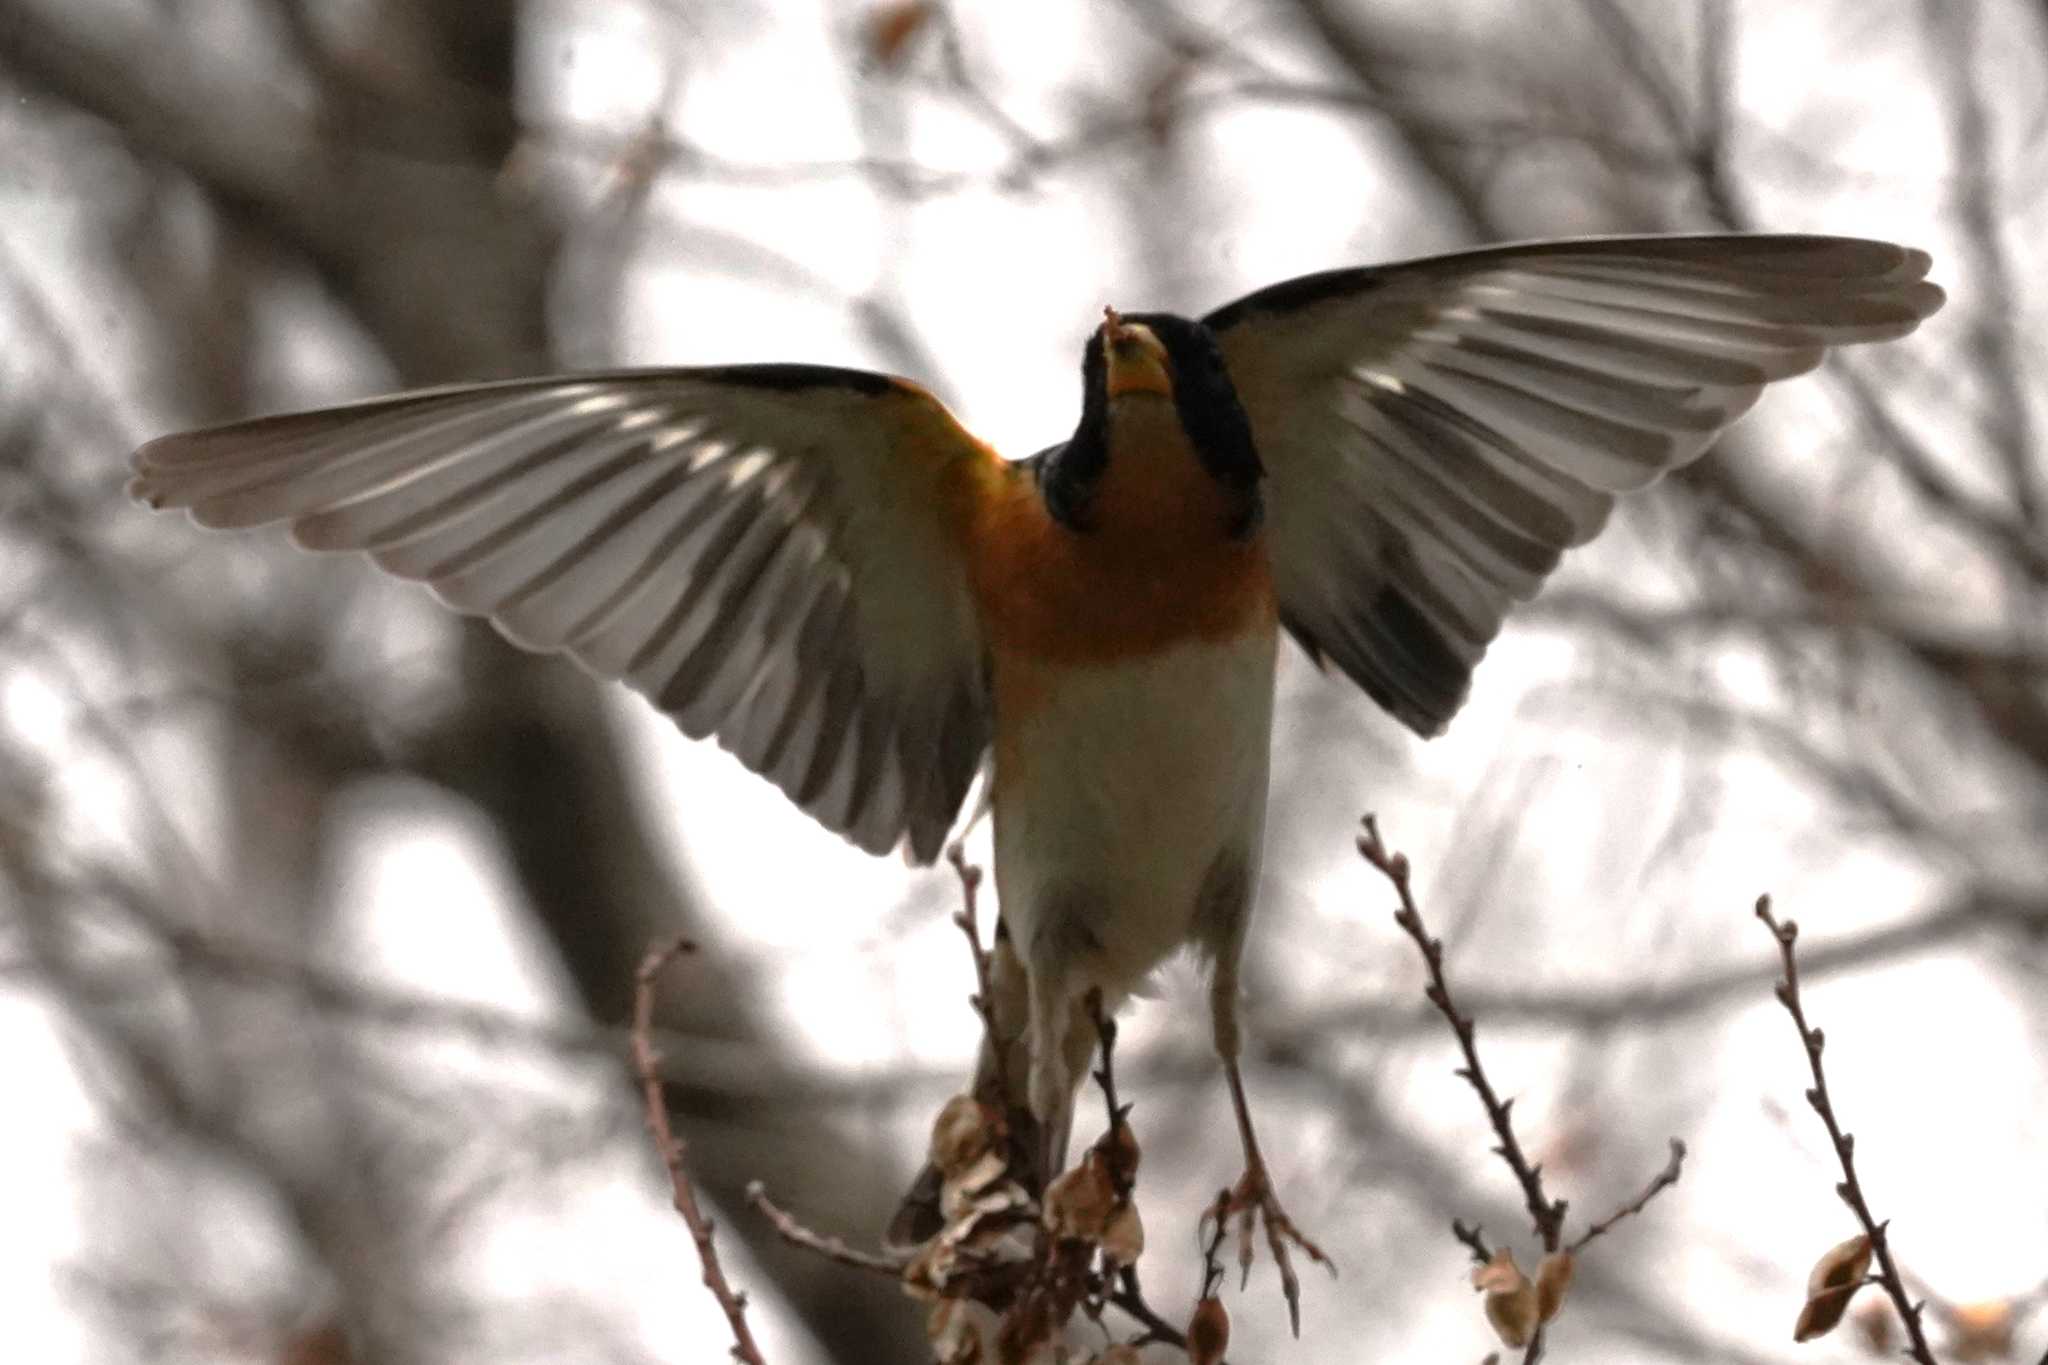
(1437, 433)
(770, 553)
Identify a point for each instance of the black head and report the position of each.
(1161, 354)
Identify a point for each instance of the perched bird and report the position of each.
(864, 603)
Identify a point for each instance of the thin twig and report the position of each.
(1217, 1219)
(647, 1067)
(1105, 1076)
(1849, 1187)
(984, 988)
(1131, 1299)
(831, 1248)
(1124, 1290)
(1470, 1234)
(1546, 1215)
(1659, 1183)
(1047, 1276)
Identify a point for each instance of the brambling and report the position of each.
(864, 603)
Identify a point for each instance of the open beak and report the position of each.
(1137, 360)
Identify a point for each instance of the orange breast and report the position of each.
(1158, 565)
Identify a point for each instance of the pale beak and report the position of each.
(1137, 361)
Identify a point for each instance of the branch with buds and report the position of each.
(1846, 1268)
(1011, 1264)
(647, 1067)
(1517, 1307)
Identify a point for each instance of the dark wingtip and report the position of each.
(925, 841)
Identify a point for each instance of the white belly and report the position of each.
(1123, 787)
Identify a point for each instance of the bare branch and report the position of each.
(1659, 1183)
(1850, 1188)
(984, 977)
(831, 1248)
(1534, 1304)
(647, 1067)
(1546, 1215)
(1471, 1234)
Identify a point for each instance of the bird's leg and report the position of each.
(1062, 1041)
(1252, 1199)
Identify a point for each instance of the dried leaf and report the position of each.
(1079, 1203)
(1510, 1298)
(1842, 1267)
(1820, 1313)
(1553, 1280)
(1123, 1241)
(1500, 1275)
(970, 1190)
(1030, 1333)
(926, 1275)
(1513, 1316)
(963, 1132)
(961, 1332)
(1834, 1280)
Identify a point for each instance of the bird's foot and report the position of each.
(1252, 1202)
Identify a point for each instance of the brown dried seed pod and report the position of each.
(963, 1131)
(1079, 1203)
(1123, 1241)
(1511, 1305)
(973, 1188)
(961, 1332)
(1208, 1333)
(1553, 1281)
(1834, 1280)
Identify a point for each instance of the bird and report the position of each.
(869, 606)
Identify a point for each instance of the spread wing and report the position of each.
(1437, 433)
(765, 552)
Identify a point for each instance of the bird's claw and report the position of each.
(1252, 1202)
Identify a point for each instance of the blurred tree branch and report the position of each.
(388, 163)
(388, 184)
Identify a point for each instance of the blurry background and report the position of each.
(319, 908)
